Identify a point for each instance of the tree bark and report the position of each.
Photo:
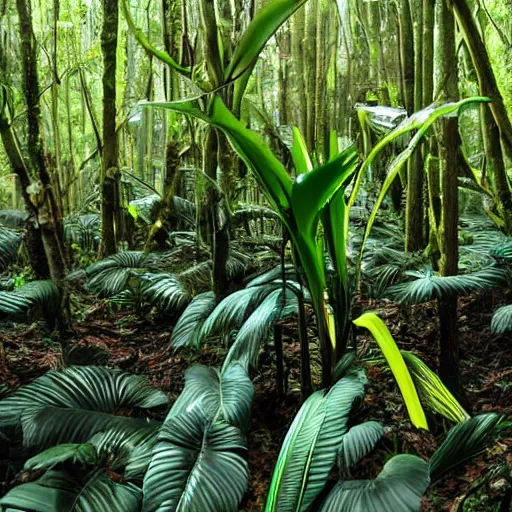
(448, 143)
(109, 162)
(43, 194)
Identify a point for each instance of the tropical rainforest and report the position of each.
(255, 255)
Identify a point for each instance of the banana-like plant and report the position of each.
(316, 196)
(10, 242)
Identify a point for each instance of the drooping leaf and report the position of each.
(43, 295)
(256, 328)
(234, 309)
(463, 442)
(187, 329)
(84, 454)
(110, 276)
(196, 466)
(91, 388)
(311, 445)
(10, 242)
(432, 391)
(58, 491)
(396, 362)
(398, 488)
(358, 442)
(420, 121)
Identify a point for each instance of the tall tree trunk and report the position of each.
(109, 164)
(43, 193)
(448, 143)
(414, 238)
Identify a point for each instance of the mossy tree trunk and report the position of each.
(43, 193)
(110, 206)
(448, 142)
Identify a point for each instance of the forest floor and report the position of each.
(140, 346)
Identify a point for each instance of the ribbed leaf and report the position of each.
(396, 362)
(187, 330)
(428, 286)
(502, 320)
(57, 491)
(233, 310)
(50, 426)
(83, 454)
(196, 466)
(256, 328)
(432, 391)
(110, 276)
(43, 295)
(311, 445)
(463, 442)
(358, 442)
(90, 388)
(10, 242)
(227, 395)
(398, 488)
(165, 291)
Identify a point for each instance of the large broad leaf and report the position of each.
(84, 454)
(311, 444)
(463, 442)
(165, 291)
(186, 332)
(358, 442)
(43, 295)
(255, 330)
(251, 148)
(502, 320)
(58, 491)
(196, 466)
(49, 426)
(432, 391)
(396, 362)
(89, 388)
(420, 121)
(110, 276)
(398, 488)
(227, 395)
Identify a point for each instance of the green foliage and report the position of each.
(432, 391)
(398, 488)
(311, 445)
(463, 442)
(358, 442)
(396, 362)
(428, 286)
(502, 320)
(28, 299)
(10, 242)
